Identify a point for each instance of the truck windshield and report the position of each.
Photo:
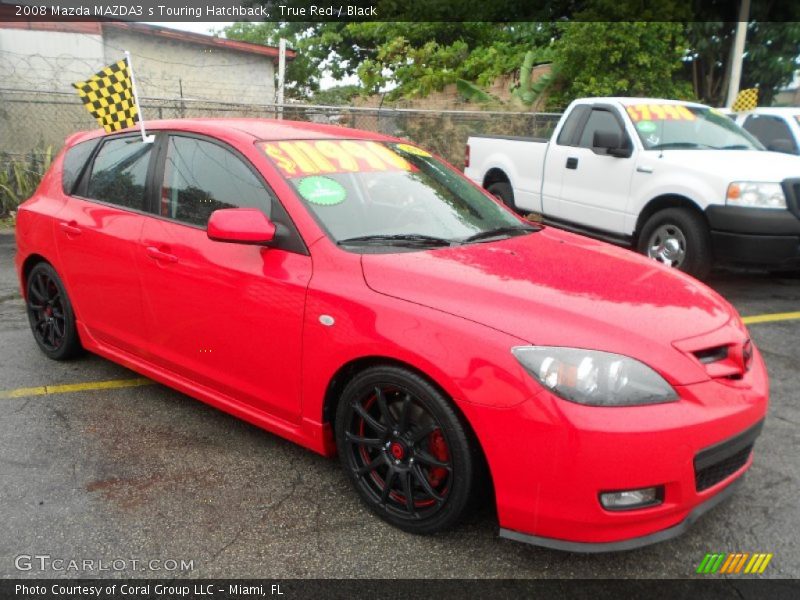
(387, 195)
(678, 126)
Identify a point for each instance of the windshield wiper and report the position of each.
(397, 239)
(736, 147)
(498, 231)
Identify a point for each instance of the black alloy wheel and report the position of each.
(406, 450)
(50, 313)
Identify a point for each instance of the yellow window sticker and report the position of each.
(659, 112)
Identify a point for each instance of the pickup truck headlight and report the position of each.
(755, 194)
(594, 378)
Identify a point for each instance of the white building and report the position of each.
(168, 63)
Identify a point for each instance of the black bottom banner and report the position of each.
(439, 589)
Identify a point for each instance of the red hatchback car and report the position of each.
(357, 295)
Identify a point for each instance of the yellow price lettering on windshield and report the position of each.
(659, 112)
(298, 158)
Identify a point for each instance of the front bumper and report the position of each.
(753, 236)
(550, 459)
(629, 544)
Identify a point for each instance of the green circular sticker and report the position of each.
(321, 190)
(646, 126)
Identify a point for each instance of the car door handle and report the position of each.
(157, 254)
(644, 169)
(572, 163)
(70, 229)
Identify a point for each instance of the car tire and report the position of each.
(50, 313)
(409, 454)
(679, 238)
(503, 191)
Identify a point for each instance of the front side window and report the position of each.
(201, 177)
(600, 120)
(771, 131)
(385, 195)
(119, 172)
(684, 127)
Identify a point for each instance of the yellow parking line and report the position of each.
(770, 318)
(66, 388)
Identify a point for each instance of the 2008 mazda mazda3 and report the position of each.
(357, 295)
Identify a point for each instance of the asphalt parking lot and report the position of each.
(143, 473)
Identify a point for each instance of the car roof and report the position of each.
(248, 129)
(628, 101)
(770, 110)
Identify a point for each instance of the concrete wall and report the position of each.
(165, 68)
(47, 60)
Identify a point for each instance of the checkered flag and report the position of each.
(746, 100)
(109, 96)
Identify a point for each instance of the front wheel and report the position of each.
(405, 449)
(678, 238)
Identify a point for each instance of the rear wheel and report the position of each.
(503, 191)
(678, 238)
(405, 449)
(50, 313)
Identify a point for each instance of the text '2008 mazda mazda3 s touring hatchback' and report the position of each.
(357, 295)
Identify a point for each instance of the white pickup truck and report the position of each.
(678, 181)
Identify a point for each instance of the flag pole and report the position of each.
(147, 139)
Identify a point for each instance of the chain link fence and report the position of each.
(34, 124)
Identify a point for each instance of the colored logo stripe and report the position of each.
(734, 562)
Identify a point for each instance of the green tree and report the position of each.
(770, 59)
(619, 59)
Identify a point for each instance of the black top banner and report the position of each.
(392, 10)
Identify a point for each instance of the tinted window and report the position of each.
(768, 130)
(567, 134)
(74, 160)
(600, 120)
(201, 177)
(119, 172)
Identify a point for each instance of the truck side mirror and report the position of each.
(611, 142)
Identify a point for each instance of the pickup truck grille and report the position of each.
(791, 188)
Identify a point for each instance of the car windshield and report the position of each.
(383, 196)
(678, 126)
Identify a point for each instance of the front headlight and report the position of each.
(755, 194)
(594, 378)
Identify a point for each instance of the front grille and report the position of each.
(722, 460)
(712, 475)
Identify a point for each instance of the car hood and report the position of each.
(736, 165)
(560, 289)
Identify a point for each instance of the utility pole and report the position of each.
(281, 74)
(737, 55)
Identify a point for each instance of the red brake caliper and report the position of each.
(438, 447)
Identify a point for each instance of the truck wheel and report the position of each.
(678, 238)
(503, 191)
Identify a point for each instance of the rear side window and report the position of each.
(74, 160)
(769, 129)
(201, 177)
(119, 173)
(567, 134)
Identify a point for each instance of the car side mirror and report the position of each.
(240, 226)
(782, 145)
(611, 142)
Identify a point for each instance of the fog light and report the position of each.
(630, 499)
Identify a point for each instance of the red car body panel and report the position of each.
(238, 326)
